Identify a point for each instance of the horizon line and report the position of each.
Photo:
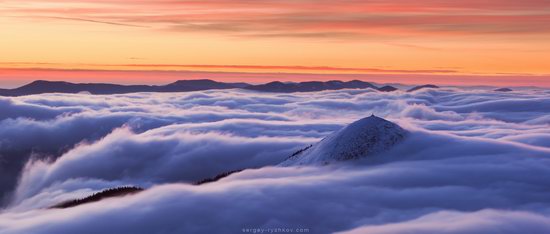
(14, 77)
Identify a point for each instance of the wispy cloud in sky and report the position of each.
(305, 18)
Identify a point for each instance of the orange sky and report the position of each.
(496, 42)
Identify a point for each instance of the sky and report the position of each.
(492, 42)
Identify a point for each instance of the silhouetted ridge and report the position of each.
(108, 193)
(504, 90)
(218, 177)
(239, 85)
(300, 151)
(310, 86)
(42, 86)
(387, 88)
(428, 86)
(195, 85)
(365, 137)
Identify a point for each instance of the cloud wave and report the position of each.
(475, 158)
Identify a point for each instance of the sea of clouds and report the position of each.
(475, 161)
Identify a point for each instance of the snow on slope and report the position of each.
(362, 138)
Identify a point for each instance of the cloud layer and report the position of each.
(475, 158)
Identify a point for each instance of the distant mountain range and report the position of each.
(41, 86)
(429, 86)
(504, 90)
(310, 86)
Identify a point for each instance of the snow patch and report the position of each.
(365, 137)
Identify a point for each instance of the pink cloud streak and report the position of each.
(299, 18)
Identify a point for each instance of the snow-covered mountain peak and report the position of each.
(367, 136)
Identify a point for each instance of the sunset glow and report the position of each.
(274, 116)
(446, 42)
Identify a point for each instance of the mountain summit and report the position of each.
(365, 137)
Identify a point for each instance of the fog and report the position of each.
(475, 161)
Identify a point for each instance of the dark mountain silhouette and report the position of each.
(194, 85)
(387, 88)
(239, 85)
(108, 193)
(41, 86)
(504, 90)
(428, 86)
(217, 177)
(300, 151)
(127, 190)
(310, 86)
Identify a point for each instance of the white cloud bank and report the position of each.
(475, 162)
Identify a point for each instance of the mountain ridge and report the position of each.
(362, 138)
(428, 86)
(43, 86)
(98, 196)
